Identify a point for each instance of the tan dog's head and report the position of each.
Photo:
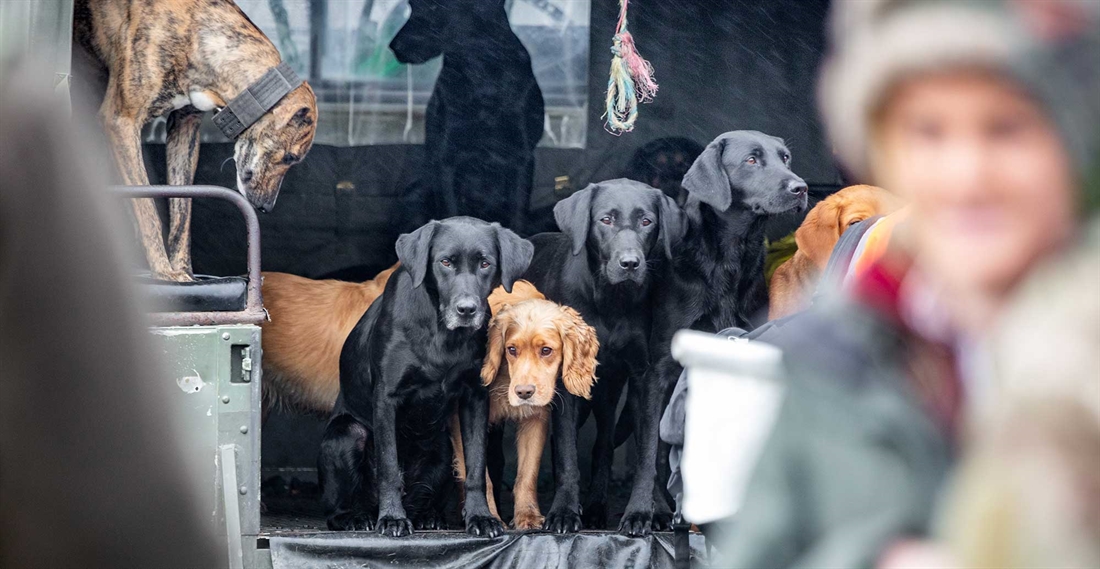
(539, 339)
(279, 140)
(823, 226)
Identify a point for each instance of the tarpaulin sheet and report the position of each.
(440, 550)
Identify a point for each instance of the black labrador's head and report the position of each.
(435, 26)
(621, 222)
(467, 258)
(747, 169)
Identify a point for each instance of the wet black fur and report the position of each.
(716, 279)
(403, 372)
(485, 115)
(576, 268)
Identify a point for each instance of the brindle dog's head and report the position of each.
(279, 140)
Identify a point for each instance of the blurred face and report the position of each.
(989, 180)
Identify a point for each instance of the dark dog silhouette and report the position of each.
(484, 118)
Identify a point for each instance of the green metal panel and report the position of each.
(216, 373)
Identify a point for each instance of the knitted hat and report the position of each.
(875, 43)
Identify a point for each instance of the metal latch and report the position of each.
(246, 364)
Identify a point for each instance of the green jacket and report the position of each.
(853, 462)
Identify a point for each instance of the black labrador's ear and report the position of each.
(707, 179)
(413, 249)
(515, 256)
(573, 216)
(673, 225)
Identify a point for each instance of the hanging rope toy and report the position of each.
(631, 80)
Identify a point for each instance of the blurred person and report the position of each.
(1028, 492)
(91, 473)
(971, 119)
(662, 163)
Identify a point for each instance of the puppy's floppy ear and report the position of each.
(707, 179)
(494, 352)
(673, 225)
(819, 232)
(515, 256)
(579, 348)
(413, 249)
(573, 215)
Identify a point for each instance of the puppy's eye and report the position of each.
(606, 220)
(511, 350)
(445, 262)
(289, 158)
(751, 160)
(545, 351)
(786, 158)
(484, 264)
(646, 222)
(853, 222)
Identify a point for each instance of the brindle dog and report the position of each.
(185, 57)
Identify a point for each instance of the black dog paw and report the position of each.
(662, 521)
(595, 516)
(394, 527)
(429, 521)
(484, 526)
(636, 524)
(351, 522)
(564, 521)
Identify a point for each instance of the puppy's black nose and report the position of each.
(525, 391)
(466, 307)
(246, 176)
(630, 262)
(797, 187)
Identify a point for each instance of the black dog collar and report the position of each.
(247, 108)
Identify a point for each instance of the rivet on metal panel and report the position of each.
(225, 336)
(243, 490)
(225, 399)
(244, 429)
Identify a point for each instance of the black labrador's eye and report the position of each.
(751, 160)
(445, 262)
(289, 159)
(606, 220)
(646, 222)
(545, 351)
(484, 264)
(511, 350)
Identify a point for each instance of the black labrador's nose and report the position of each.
(797, 187)
(525, 391)
(466, 307)
(630, 262)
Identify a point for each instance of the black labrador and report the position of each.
(716, 280)
(485, 115)
(413, 357)
(615, 236)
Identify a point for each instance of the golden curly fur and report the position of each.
(539, 340)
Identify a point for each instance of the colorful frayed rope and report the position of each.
(631, 80)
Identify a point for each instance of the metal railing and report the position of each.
(253, 312)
